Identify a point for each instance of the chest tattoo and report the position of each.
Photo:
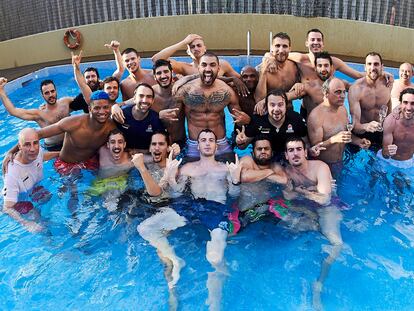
(214, 99)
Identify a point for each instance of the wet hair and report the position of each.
(294, 139)
(145, 85)
(323, 55)
(409, 90)
(276, 92)
(163, 133)
(261, 137)
(211, 54)
(206, 131)
(46, 82)
(282, 35)
(161, 62)
(129, 50)
(314, 30)
(92, 69)
(110, 79)
(374, 54)
(115, 131)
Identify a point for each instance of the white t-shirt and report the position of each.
(21, 178)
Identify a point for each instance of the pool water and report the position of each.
(100, 261)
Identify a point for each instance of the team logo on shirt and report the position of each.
(149, 129)
(289, 129)
(264, 130)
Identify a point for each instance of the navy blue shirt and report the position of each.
(138, 132)
(294, 125)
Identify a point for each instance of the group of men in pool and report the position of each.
(147, 131)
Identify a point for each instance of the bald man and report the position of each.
(404, 82)
(20, 179)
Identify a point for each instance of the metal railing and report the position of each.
(24, 17)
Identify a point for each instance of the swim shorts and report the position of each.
(102, 185)
(209, 213)
(223, 147)
(23, 207)
(396, 163)
(275, 208)
(66, 168)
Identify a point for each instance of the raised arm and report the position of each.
(25, 114)
(151, 185)
(65, 125)
(341, 66)
(114, 46)
(80, 79)
(169, 51)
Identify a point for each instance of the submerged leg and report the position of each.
(154, 230)
(330, 220)
(215, 256)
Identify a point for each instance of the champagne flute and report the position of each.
(382, 114)
(350, 125)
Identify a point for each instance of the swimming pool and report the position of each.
(107, 265)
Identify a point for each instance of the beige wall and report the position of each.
(221, 32)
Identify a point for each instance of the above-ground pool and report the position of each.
(99, 262)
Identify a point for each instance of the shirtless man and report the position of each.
(327, 126)
(195, 49)
(398, 142)
(204, 101)
(91, 76)
(366, 96)
(55, 110)
(311, 91)
(84, 134)
(114, 165)
(21, 178)
(250, 78)
(136, 76)
(404, 82)
(208, 180)
(306, 62)
(113, 159)
(172, 117)
(311, 184)
(286, 73)
(110, 84)
(156, 228)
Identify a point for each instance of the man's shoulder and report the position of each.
(294, 116)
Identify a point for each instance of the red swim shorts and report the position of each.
(66, 168)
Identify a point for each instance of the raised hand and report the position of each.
(174, 149)
(234, 170)
(315, 151)
(76, 59)
(138, 161)
(114, 45)
(191, 37)
(241, 137)
(3, 82)
(240, 117)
